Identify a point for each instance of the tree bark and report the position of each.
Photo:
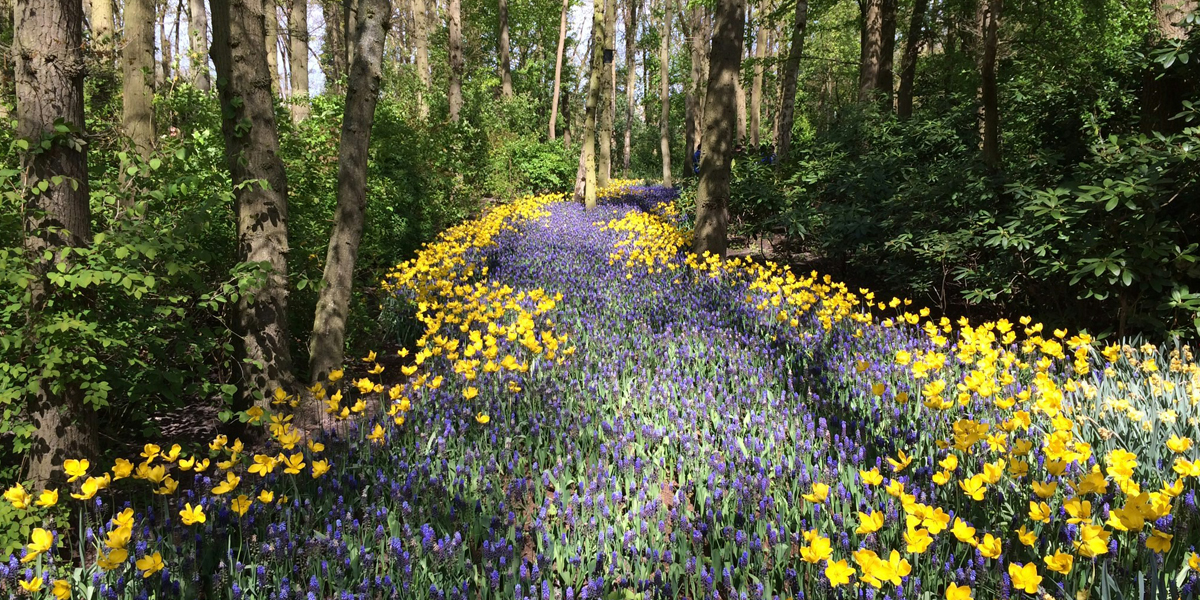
(587, 156)
(740, 92)
(695, 104)
(102, 27)
(604, 117)
(298, 58)
(787, 87)
(271, 44)
(198, 49)
(631, 7)
(164, 66)
(871, 51)
(664, 92)
(327, 344)
(885, 82)
(756, 86)
(1163, 91)
(333, 49)
(49, 72)
(908, 65)
(720, 115)
(989, 107)
(260, 188)
(421, 41)
(558, 60)
(506, 87)
(137, 61)
(456, 59)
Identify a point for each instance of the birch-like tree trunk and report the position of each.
(327, 344)
(48, 75)
(720, 122)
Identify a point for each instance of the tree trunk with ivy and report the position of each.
(260, 187)
(327, 344)
(49, 71)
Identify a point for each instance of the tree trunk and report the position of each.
(271, 44)
(506, 87)
(990, 111)
(456, 59)
(198, 49)
(1164, 90)
(871, 50)
(631, 7)
(740, 92)
(787, 89)
(349, 23)
(908, 65)
(6, 61)
(695, 104)
(102, 27)
(604, 115)
(664, 92)
(885, 82)
(298, 58)
(164, 66)
(756, 87)
(720, 116)
(421, 41)
(333, 48)
(327, 343)
(137, 61)
(49, 71)
(587, 156)
(260, 186)
(558, 60)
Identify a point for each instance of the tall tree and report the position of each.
(787, 87)
(506, 88)
(164, 45)
(271, 43)
(741, 96)
(327, 344)
(456, 59)
(989, 24)
(298, 58)
(605, 118)
(137, 61)
(694, 102)
(908, 64)
(558, 60)
(260, 188)
(102, 27)
(6, 58)
(631, 8)
(198, 49)
(885, 79)
(333, 47)
(421, 41)
(664, 91)
(756, 86)
(871, 49)
(720, 116)
(585, 184)
(48, 48)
